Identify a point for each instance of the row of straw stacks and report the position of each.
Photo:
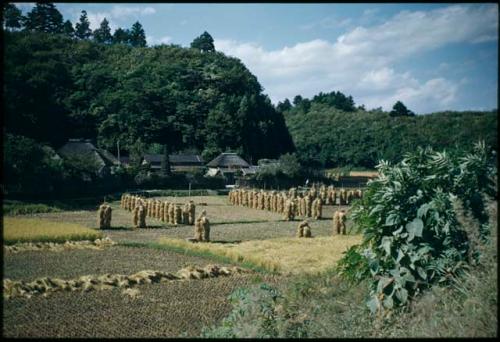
(165, 211)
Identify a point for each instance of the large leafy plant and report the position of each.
(413, 237)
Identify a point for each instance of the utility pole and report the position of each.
(118, 149)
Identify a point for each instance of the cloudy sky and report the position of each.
(430, 56)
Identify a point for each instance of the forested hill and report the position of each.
(328, 136)
(57, 88)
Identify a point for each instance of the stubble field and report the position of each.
(160, 309)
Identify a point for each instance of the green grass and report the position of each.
(13, 208)
(16, 230)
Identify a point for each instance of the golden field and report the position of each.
(36, 230)
(285, 255)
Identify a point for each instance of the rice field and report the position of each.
(283, 255)
(239, 235)
(35, 230)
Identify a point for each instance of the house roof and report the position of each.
(250, 171)
(80, 147)
(175, 159)
(228, 160)
(185, 159)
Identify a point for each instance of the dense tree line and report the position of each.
(45, 17)
(326, 136)
(60, 88)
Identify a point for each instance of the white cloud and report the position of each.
(119, 11)
(362, 61)
(157, 41)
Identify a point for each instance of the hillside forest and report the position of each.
(65, 81)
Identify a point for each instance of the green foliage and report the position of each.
(336, 100)
(44, 17)
(27, 166)
(399, 109)
(290, 165)
(61, 88)
(121, 36)
(253, 314)
(137, 37)
(103, 33)
(412, 238)
(204, 42)
(68, 29)
(20, 208)
(328, 137)
(82, 28)
(12, 16)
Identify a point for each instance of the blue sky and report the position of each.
(430, 56)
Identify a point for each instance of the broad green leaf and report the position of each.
(414, 228)
(373, 304)
(402, 295)
(421, 272)
(422, 211)
(388, 302)
(382, 283)
(391, 220)
(386, 244)
(400, 256)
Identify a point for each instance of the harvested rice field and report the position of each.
(158, 310)
(74, 263)
(166, 309)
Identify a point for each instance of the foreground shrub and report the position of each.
(412, 236)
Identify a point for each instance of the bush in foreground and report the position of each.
(410, 218)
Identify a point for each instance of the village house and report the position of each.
(84, 151)
(229, 165)
(178, 162)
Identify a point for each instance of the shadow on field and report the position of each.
(238, 222)
(116, 228)
(222, 242)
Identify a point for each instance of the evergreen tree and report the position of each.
(205, 42)
(284, 106)
(399, 109)
(121, 36)
(82, 28)
(297, 100)
(44, 17)
(68, 29)
(103, 33)
(137, 36)
(12, 17)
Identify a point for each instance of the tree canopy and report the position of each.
(61, 88)
(82, 28)
(326, 136)
(204, 42)
(103, 33)
(44, 17)
(399, 109)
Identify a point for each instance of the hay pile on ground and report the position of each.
(104, 216)
(168, 212)
(59, 247)
(304, 230)
(308, 202)
(47, 285)
(339, 218)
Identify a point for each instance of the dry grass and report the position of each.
(285, 255)
(31, 230)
